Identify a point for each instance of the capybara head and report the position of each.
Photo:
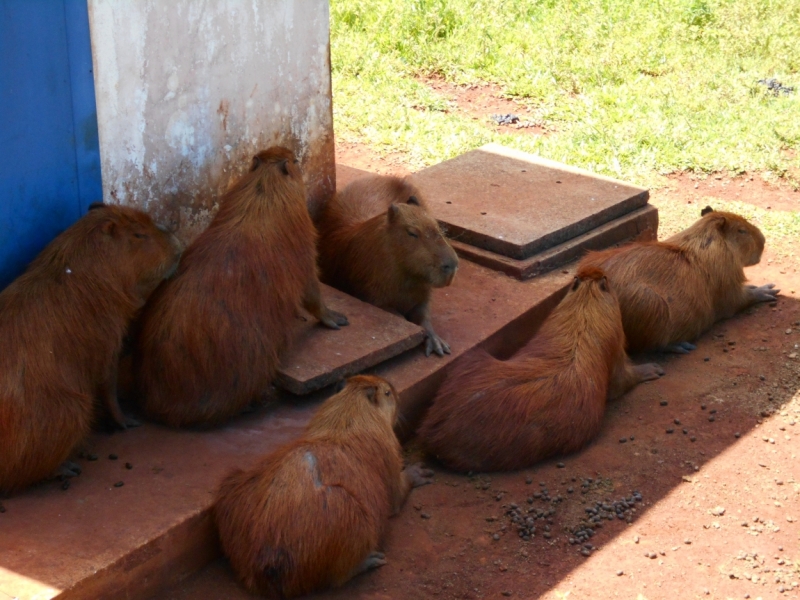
(275, 169)
(591, 284)
(743, 238)
(418, 243)
(363, 400)
(142, 253)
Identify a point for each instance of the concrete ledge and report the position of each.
(640, 225)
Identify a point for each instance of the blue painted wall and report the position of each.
(50, 159)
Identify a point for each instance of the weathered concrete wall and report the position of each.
(188, 90)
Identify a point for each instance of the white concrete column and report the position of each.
(188, 90)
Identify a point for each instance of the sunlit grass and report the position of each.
(631, 89)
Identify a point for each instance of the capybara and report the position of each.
(62, 325)
(549, 398)
(210, 339)
(379, 243)
(311, 515)
(671, 292)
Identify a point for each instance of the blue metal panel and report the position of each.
(50, 165)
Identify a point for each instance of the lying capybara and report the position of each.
(62, 325)
(378, 243)
(210, 339)
(671, 292)
(548, 399)
(311, 515)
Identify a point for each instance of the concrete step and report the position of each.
(134, 526)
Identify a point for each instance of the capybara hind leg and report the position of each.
(680, 348)
(108, 392)
(627, 376)
(313, 303)
(373, 561)
(421, 315)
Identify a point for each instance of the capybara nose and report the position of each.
(449, 267)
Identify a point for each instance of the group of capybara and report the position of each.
(207, 327)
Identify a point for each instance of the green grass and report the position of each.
(630, 89)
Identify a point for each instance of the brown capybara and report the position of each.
(311, 515)
(671, 292)
(210, 339)
(549, 398)
(379, 243)
(62, 325)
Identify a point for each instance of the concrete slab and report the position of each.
(320, 357)
(96, 541)
(640, 225)
(516, 204)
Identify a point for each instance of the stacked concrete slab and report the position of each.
(138, 519)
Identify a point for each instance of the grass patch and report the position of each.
(631, 89)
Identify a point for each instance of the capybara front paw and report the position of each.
(418, 475)
(681, 348)
(433, 343)
(130, 422)
(334, 319)
(67, 470)
(764, 293)
(373, 561)
(649, 371)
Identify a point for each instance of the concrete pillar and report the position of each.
(188, 90)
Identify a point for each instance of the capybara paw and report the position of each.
(334, 319)
(418, 475)
(130, 422)
(764, 293)
(373, 561)
(68, 469)
(681, 348)
(649, 371)
(433, 343)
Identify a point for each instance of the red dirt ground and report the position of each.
(711, 448)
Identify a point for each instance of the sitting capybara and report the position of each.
(492, 415)
(311, 515)
(670, 292)
(378, 243)
(62, 325)
(210, 339)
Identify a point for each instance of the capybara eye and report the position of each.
(285, 167)
(604, 284)
(412, 233)
(141, 236)
(742, 231)
(387, 393)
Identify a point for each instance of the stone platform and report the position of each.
(99, 539)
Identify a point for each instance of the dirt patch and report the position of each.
(485, 102)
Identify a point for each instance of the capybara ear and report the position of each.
(372, 394)
(393, 212)
(575, 283)
(721, 223)
(604, 283)
(285, 167)
(255, 164)
(94, 205)
(108, 227)
(706, 210)
(339, 385)
(413, 200)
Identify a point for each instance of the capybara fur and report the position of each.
(671, 292)
(379, 243)
(311, 515)
(549, 398)
(62, 324)
(210, 340)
